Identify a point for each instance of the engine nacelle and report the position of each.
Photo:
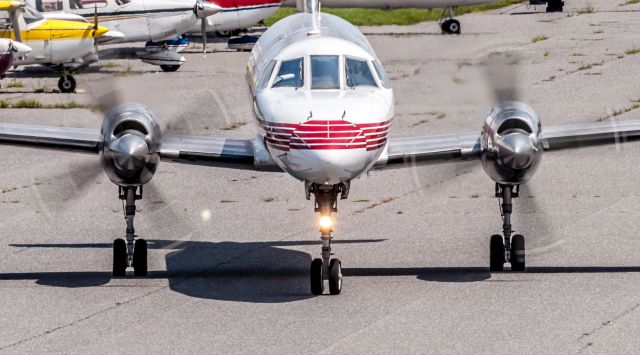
(131, 140)
(511, 148)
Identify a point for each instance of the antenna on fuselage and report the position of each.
(311, 7)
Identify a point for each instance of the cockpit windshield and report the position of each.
(291, 74)
(358, 73)
(325, 72)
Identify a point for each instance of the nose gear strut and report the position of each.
(510, 249)
(132, 253)
(326, 268)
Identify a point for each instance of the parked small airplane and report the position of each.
(161, 23)
(324, 107)
(53, 42)
(8, 51)
(157, 22)
(448, 24)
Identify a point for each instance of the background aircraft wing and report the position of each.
(461, 147)
(391, 4)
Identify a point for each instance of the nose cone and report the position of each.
(20, 49)
(205, 9)
(516, 150)
(129, 153)
(100, 31)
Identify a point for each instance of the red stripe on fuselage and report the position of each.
(325, 135)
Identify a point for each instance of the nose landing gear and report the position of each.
(326, 268)
(509, 249)
(132, 253)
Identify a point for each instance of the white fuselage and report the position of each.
(238, 14)
(316, 123)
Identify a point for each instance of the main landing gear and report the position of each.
(130, 253)
(555, 5)
(510, 249)
(326, 268)
(448, 24)
(66, 84)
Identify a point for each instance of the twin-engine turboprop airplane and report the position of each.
(53, 42)
(149, 21)
(448, 24)
(324, 106)
(8, 51)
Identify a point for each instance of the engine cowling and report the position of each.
(511, 145)
(131, 140)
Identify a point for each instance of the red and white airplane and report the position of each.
(324, 106)
(238, 14)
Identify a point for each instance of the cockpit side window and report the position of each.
(325, 72)
(381, 75)
(31, 16)
(290, 74)
(49, 5)
(358, 73)
(264, 81)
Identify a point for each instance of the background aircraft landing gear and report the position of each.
(67, 84)
(450, 25)
(555, 5)
(509, 249)
(326, 268)
(130, 252)
(169, 68)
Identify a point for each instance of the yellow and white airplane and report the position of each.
(54, 43)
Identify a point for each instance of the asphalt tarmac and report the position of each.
(414, 242)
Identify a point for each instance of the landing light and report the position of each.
(326, 222)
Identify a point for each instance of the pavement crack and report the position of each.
(605, 324)
(77, 321)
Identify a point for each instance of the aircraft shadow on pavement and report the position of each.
(260, 272)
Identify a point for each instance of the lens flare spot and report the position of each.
(206, 215)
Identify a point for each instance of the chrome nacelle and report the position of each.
(130, 144)
(511, 148)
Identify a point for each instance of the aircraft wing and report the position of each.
(60, 138)
(197, 150)
(460, 147)
(589, 134)
(10, 5)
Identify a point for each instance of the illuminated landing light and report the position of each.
(206, 215)
(326, 223)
